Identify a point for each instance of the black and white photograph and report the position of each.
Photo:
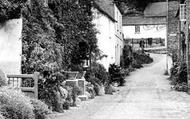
(94, 59)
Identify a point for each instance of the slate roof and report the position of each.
(106, 7)
(154, 13)
(141, 20)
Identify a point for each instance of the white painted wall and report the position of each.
(106, 37)
(11, 46)
(110, 36)
(129, 32)
(118, 35)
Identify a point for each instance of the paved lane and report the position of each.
(147, 95)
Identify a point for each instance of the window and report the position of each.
(137, 29)
(182, 12)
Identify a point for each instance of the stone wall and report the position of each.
(173, 27)
(11, 46)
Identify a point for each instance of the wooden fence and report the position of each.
(16, 81)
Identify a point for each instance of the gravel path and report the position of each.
(147, 95)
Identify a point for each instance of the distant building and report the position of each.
(149, 24)
(108, 22)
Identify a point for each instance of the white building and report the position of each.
(11, 46)
(145, 31)
(108, 22)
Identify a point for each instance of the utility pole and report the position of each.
(187, 42)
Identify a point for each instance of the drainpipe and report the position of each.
(187, 42)
(166, 72)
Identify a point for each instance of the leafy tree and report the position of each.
(40, 51)
(78, 28)
(52, 33)
(10, 9)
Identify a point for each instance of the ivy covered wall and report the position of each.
(53, 31)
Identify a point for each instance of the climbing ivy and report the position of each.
(10, 9)
(52, 32)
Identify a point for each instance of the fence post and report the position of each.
(35, 77)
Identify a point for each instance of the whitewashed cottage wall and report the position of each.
(118, 35)
(106, 37)
(11, 46)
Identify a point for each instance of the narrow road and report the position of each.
(147, 95)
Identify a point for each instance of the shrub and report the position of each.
(109, 90)
(99, 72)
(181, 87)
(182, 74)
(14, 105)
(98, 77)
(97, 88)
(178, 76)
(142, 58)
(40, 109)
(174, 70)
(90, 90)
(127, 56)
(66, 105)
(73, 92)
(116, 75)
(49, 90)
(136, 65)
(179, 73)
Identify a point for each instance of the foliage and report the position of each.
(174, 56)
(14, 105)
(66, 105)
(174, 70)
(40, 109)
(136, 65)
(49, 89)
(73, 92)
(99, 72)
(109, 89)
(10, 9)
(116, 75)
(179, 73)
(142, 58)
(90, 90)
(181, 87)
(56, 35)
(98, 75)
(178, 76)
(127, 56)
